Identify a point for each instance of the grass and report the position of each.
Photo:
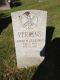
(8, 69)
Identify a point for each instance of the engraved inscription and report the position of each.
(29, 39)
(29, 20)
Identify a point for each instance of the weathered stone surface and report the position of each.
(29, 28)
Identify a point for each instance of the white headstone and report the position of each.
(29, 28)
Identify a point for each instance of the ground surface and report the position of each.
(50, 67)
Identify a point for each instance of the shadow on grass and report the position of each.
(49, 68)
(15, 4)
(4, 22)
(1, 14)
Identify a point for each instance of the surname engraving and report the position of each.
(29, 34)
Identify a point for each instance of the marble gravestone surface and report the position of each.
(29, 28)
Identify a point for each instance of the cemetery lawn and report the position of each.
(8, 68)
